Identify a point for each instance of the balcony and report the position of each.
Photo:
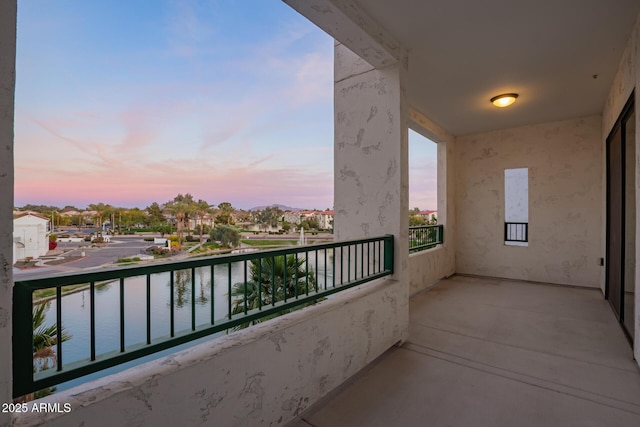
(235, 291)
(474, 351)
(489, 352)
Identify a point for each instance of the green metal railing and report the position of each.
(262, 290)
(425, 237)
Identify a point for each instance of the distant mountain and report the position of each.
(281, 207)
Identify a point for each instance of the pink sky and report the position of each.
(209, 99)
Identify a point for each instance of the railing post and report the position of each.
(388, 253)
(22, 341)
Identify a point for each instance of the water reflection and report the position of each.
(196, 294)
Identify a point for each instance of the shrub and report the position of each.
(158, 250)
(192, 239)
(134, 259)
(148, 239)
(227, 236)
(53, 237)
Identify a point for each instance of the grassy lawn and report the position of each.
(209, 246)
(43, 293)
(269, 242)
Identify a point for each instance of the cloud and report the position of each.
(226, 127)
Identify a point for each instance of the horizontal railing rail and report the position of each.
(516, 231)
(252, 286)
(425, 237)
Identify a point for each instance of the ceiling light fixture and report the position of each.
(504, 100)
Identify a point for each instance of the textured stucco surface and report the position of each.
(7, 86)
(346, 21)
(565, 199)
(265, 375)
(627, 78)
(427, 267)
(371, 155)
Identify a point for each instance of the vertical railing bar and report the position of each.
(122, 315)
(229, 289)
(213, 293)
(273, 281)
(193, 298)
(59, 328)
(306, 261)
(341, 264)
(333, 268)
(92, 317)
(348, 263)
(295, 287)
(284, 282)
(259, 283)
(316, 277)
(171, 302)
(361, 260)
(325, 269)
(379, 256)
(148, 309)
(245, 286)
(355, 262)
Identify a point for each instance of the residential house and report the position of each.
(30, 236)
(428, 215)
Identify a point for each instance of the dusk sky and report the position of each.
(131, 102)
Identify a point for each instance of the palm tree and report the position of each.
(201, 208)
(44, 338)
(261, 287)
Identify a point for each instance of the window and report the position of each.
(516, 207)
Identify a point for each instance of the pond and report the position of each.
(191, 289)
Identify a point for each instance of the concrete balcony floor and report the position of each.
(490, 352)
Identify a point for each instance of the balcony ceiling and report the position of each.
(464, 52)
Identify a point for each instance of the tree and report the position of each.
(155, 214)
(269, 217)
(102, 211)
(133, 217)
(225, 215)
(261, 287)
(416, 220)
(180, 207)
(44, 338)
(309, 224)
(226, 235)
(202, 208)
(286, 226)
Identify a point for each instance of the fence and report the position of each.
(425, 237)
(256, 285)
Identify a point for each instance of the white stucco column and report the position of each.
(7, 87)
(371, 153)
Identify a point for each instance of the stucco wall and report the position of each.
(371, 162)
(565, 199)
(427, 267)
(265, 375)
(627, 78)
(7, 86)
